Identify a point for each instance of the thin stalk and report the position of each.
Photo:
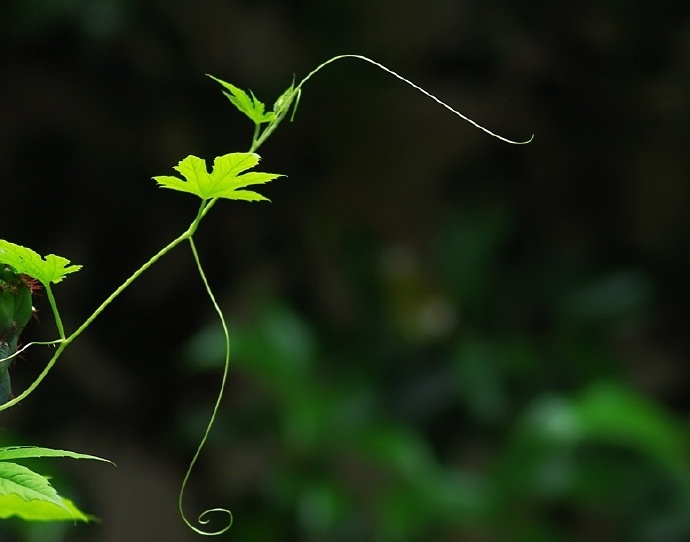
(202, 518)
(257, 130)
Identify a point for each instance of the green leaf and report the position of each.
(13, 505)
(29, 495)
(24, 452)
(223, 182)
(609, 413)
(614, 413)
(246, 103)
(26, 484)
(25, 261)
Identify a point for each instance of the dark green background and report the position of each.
(437, 336)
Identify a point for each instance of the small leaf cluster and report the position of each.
(255, 109)
(229, 175)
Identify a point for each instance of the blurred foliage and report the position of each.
(435, 336)
(476, 433)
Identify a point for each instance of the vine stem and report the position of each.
(65, 341)
(202, 517)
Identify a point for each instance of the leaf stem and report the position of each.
(255, 137)
(257, 142)
(56, 314)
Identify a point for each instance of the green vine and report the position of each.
(229, 178)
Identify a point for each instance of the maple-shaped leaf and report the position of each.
(25, 261)
(248, 104)
(224, 181)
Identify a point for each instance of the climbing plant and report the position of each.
(23, 272)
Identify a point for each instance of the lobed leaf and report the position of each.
(248, 104)
(25, 261)
(224, 180)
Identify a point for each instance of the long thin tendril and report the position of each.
(293, 101)
(414, 86)
(202, 518)
(27, 345)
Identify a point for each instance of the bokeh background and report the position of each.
(436, 336)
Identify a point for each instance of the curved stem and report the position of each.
(38, 380)
(202, 517)
(67, 340)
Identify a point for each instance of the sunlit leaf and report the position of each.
(225, 180)
(26, 484)
(29, 495)
(24, 452)
(25, 261)
(13, 505)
